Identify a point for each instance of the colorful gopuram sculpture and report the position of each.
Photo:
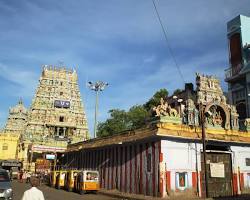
(207, 96)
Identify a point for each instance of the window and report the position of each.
(181, 180)
(5, 146)
(247, 161)
(91, 176)
(61, 119)
(4, 177)
(61, 93)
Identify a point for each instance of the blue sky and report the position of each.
(117, 41)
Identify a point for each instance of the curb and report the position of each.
(120, 196)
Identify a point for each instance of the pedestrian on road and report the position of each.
(28, 177)
(33, 193)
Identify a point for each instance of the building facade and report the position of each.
(238, 73)
(8, 146)
(165, 157)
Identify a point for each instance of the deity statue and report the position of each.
(164, 109)
(161, 109)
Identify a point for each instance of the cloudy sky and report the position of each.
(117, 41)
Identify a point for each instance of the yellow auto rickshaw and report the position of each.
(70, 179)
(53, 176)
(87, 180)
(60, 179)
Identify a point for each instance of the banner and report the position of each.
(61, 104)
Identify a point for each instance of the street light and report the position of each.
(97, 86)
(203, 116)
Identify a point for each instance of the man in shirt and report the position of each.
(33, 193)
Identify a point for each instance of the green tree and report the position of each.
(137, 116)
(155, 100)
(121, 120)
(117, 122)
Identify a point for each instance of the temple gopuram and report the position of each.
(17, 119)
(55, 119)
(10, 136)
(165, 157)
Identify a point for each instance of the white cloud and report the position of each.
(23, 81)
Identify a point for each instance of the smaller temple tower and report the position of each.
(17, 120)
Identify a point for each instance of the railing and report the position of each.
(232, 71)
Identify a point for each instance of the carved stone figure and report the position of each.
(164, 109)
(172, 112)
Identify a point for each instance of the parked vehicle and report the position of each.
(53, 176)
(60, 179)
(5, 185)
(87, 180)
(70, 179)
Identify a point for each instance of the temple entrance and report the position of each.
(219, 174)
(61, 132)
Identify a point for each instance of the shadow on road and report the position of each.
(239, 197)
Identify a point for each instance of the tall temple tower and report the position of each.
(57, 111)
(17, 120)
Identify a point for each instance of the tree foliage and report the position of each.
(135, 117)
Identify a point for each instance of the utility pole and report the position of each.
(203, 130)
(97, 86)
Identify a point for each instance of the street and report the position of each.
(54, 194)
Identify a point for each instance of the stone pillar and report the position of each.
(64, 130)
(57, 131)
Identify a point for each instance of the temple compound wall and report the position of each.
(166, 156)
(161, 163)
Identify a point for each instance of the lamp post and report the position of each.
(203, 131)
(97, 86)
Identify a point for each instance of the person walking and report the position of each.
(33, 193)
(28, 177)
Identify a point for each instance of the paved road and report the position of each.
(54, 194)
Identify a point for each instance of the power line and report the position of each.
(167, 41)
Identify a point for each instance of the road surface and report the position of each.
(54, 194)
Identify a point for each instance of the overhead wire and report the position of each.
(167, 41)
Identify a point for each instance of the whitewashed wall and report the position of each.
(240, 153)
(180, 157)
